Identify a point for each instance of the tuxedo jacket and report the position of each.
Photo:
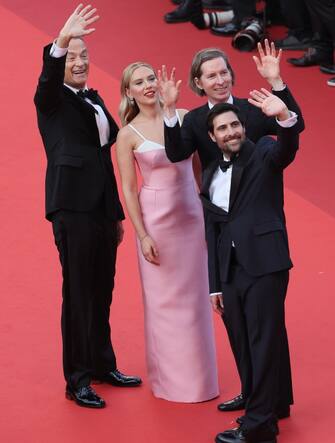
(180, 143)
(79, 172)
(255, 222)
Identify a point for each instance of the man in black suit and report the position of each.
(83, 205)
(248, 252)
(212, 76)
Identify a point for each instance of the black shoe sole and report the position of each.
(293, 48)
(302, 66)
(217, 440)
(326, 70)
(239, 408)
(182, 20)
(99, 381)
(223, 34)
(70, 396)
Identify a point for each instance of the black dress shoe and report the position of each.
(230, 436)
(293, 43)
(239, 420)
(188, 10)
(116, 378)
(226, 30)
(85, 396)
(234, 404)
(237, 435)
(328, 69)
(311, 58)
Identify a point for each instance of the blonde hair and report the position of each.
(129, 109)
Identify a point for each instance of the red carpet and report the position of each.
(34, 409)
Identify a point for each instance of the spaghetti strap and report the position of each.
(137, 132)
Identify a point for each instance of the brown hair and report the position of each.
(221, 108)
(204, 56)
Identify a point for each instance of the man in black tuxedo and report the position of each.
(212, 76)
(248, 254)
(82, 202)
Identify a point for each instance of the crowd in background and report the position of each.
(310, 25)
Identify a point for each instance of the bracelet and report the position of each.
(144, 236)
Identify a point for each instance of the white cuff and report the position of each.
(170, 122)
(280, 89)
(288, 123)
(215, 293)
(56, 51)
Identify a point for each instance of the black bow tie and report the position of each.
(224, 165)
(91, 94)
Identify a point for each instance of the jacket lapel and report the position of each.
(112, 125)
(200, 119)
(207, 177)
(238, 169)
(89, 112)
(207, 204)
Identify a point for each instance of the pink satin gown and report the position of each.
(180, 348)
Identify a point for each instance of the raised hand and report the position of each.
(270, 104)
(168, 88)
(268, 63)
(77, 25)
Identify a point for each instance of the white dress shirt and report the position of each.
(219, 189)
(100, 116)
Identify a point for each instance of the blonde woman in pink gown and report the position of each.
(167, 217)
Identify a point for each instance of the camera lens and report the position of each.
(247, 38)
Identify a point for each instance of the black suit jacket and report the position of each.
(79, 171)
(180, 143)
(256, 219)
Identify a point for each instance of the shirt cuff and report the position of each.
(171, 122)
(57, 52)
(215, 293)
(288, 123)
(279, 89)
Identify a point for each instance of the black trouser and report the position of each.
(322, 14)
(297, 17)
(87, 244)
(255, 320)
(243, 9)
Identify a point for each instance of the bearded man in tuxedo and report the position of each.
(248, 254)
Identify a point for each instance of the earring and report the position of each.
(132, 101)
